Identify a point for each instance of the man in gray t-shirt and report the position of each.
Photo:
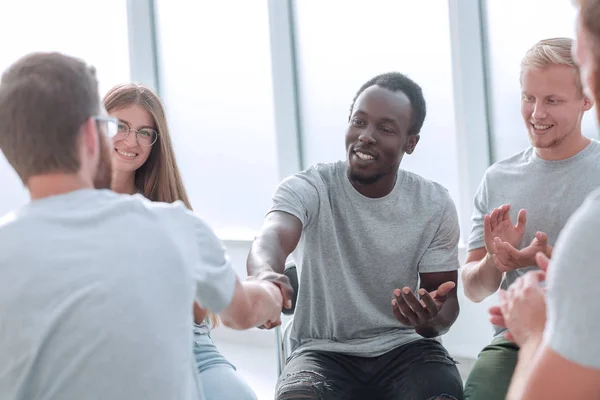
(540, 188)
(364, 233)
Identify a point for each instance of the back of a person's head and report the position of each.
(549, 52)
(44, 100)
(398, 82)
(589, 12)
(589, 20)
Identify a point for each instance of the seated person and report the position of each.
(559, 356)
(97, 288)
(365, 233)
(539, 188)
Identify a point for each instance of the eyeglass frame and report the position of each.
(108, 119)
(129, 129)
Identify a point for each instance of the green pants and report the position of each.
(490, 377)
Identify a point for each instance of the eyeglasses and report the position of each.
(112, 124)
(145, 136)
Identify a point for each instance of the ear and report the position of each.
(89, 139)
(588, 103)
(411, 143)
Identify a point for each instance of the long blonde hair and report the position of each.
(159, 178)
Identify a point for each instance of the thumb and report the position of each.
(444, 289)
(542, 261)
(542, 239)
(521, 220)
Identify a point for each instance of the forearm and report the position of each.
(481, 278)
(266, 254)
(522, 373)
(442, 322)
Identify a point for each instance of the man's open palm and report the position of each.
(499, 225)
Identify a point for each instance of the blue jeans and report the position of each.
(218, 376)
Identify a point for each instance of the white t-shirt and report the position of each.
(96, 296)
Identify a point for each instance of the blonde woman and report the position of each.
(144, 162)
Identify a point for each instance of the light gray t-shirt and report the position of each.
(354, 251)
(573, 308)
(96, 295)
(550, 191)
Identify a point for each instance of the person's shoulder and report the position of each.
(509, 165)
(425, 186)
(319, 176)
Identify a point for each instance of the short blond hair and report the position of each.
(554, 51)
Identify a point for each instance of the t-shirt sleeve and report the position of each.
(480, 209)
(215, 277)
(442, 253)
(297, 195)
(572, 305)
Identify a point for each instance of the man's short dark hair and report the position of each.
(397, 82)
(44, 100)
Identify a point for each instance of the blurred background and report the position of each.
(256, 90)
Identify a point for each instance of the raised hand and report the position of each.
(508, 258)
(417, 313)
(499, 225)
(522, 308)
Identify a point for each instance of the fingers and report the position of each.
(521, 220)
(495, 217)
(428, 302)
(542, 261)
(504, 213)
(398, 314)
(499, 265)
(411, 307)
(542, 239)
(496, 316)
(488, 236)
(445, 288)
(287, 292)
(498, 320)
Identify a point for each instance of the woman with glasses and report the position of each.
(144, 162)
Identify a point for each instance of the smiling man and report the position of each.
(364, 232)
(549, 180)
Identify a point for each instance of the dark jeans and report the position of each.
(419, 370)
(490, 377)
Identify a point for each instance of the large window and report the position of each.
(97, 35)
(513, 26)
(340, 45)
(215, 80)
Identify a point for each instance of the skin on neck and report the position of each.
(41, 186)
(381, 188)
(571, 146)
(124, 182)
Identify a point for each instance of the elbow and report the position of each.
(471, 295)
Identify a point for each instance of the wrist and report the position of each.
(530, 344)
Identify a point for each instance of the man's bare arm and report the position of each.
(480, 276)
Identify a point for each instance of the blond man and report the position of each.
(538, 188)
